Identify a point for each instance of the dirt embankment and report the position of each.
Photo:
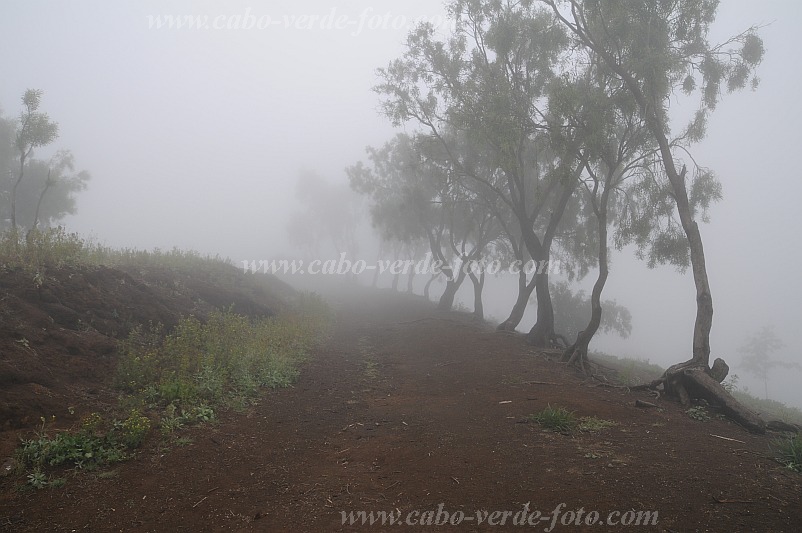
(58, 333)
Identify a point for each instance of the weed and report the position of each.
(133, 430)
(555, 418)
(174, 420)
(789, 452)
(226, 358)
(37, 479)
(86, 448)
(698, 413)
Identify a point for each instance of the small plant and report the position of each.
(698, 413)
(133, 429)
(173, 420)
(183, 441)
(87, 447)
(201, 413)
(37, 479)
(91, 423)
(555, 418)
(789, 452)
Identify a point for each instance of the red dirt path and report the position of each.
(404, 408)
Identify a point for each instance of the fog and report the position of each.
(195, 139)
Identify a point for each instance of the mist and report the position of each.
(196, 139)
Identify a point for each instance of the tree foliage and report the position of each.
(35, 192)
(572, 312)
(554, 115)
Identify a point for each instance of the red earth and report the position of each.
(406, 410)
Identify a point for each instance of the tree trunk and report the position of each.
(577, 353)
(396, 277)
(542, 333)
(524, 293)
(700, 385)
(14, 192)
(410, 280)
(446, 301)
(428, 285)
(478, 286)
(452, 286)
(48, 184)
(375, 281)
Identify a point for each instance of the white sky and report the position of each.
(195, 137)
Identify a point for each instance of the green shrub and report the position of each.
(698, 413)
(133, 430)
(51, 247)
(555, 418)
(228, 355)
(789, 452)
(88, 447)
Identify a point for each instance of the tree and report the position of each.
(489, 81)
(59, 182)
(572, 311)
(414, 196)
(757, 351)
(48, 191)
(588, 107)
(655, 49)
(35, 130)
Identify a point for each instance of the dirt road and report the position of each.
(406, 410)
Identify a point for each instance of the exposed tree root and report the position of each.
(691, 380)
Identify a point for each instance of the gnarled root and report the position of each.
(691, 380)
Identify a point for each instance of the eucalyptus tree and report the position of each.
(473, 229)
(409, 196)
(572, 310)
(589, 106)
(655, 49)
(489, 80)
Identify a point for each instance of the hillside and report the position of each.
(59, 326)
